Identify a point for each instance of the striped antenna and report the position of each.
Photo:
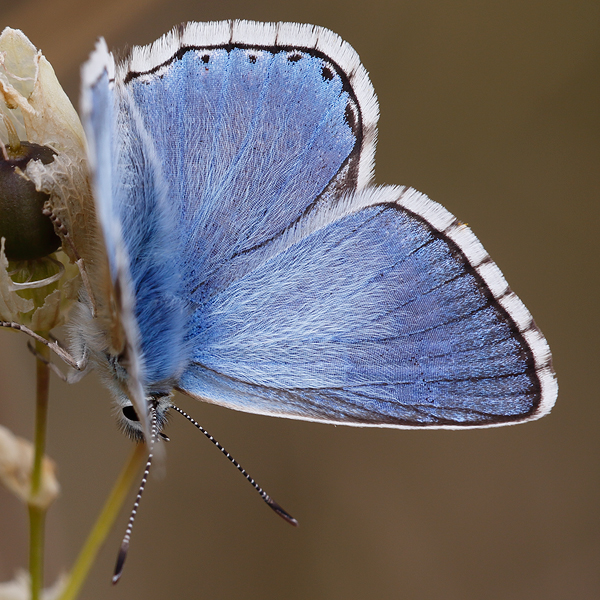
(272, 504)
(125, 543)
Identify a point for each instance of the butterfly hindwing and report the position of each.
(375, 318)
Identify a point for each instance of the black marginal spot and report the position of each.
(350, 116)
(327, 73)
(252, 58)
(294, 54)
(486, 260)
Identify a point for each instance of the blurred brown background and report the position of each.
(491, 108)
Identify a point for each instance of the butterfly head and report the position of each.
(128, 418)
(156, 400)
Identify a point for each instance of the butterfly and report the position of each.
(240, 253)
(250, 262)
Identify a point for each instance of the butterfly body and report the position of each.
(253, 265)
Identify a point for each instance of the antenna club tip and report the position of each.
(120, 562)
(288, 518)
(282, 513)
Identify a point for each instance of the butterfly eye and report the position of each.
(129, 413)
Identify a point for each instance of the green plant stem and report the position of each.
(104, 523)
(37, 514)
(37, 520)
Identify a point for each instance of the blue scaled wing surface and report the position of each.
(374, 316)
(266, 274)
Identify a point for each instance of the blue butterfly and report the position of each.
(249, 262)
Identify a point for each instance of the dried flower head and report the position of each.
(43, 151)
(16, 464)
(20, 588)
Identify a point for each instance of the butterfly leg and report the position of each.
(71, 377)
(79, 365)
